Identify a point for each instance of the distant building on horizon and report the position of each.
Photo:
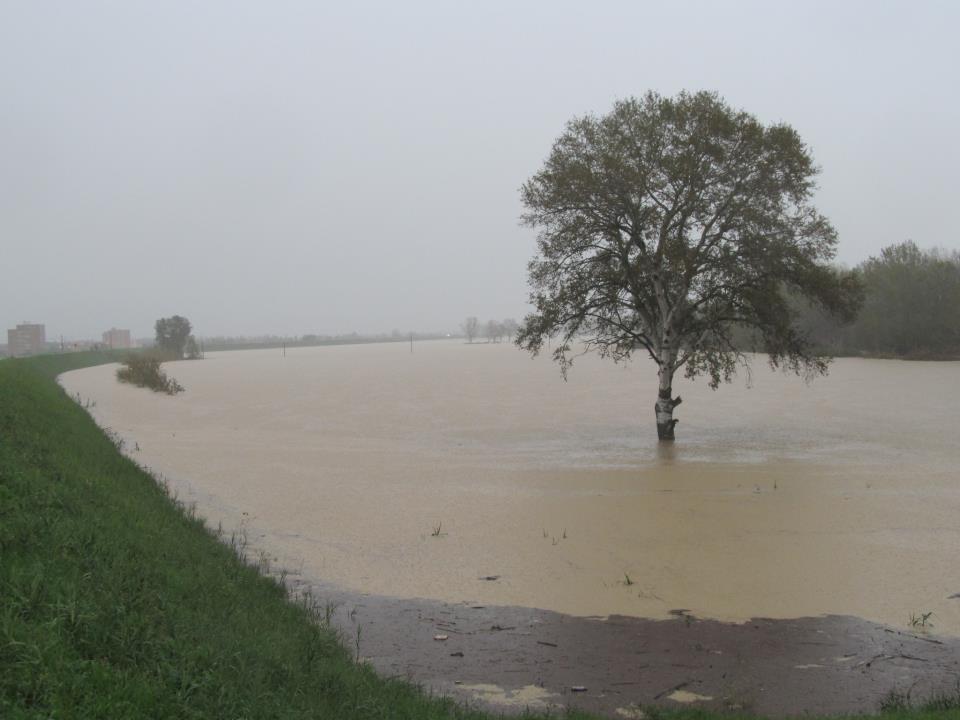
(117, 339)
(26, 339)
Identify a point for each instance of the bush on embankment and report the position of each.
(143, 370)
(114, 603)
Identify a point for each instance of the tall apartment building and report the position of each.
(26, 339)
(117, 339)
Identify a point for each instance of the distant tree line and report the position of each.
(911, 308)
(492, 330)
(261, 342)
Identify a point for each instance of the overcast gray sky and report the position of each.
(298, 167)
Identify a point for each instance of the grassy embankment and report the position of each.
(116, 603)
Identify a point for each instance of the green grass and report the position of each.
(115, 603)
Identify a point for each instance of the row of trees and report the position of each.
(911, 308)
(492, 330)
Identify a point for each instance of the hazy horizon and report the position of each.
(294, 168)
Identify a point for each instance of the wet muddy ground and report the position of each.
(509, 658)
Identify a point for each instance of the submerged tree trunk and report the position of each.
(665, 404)
(664, 410)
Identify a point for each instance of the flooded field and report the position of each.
(422, 474)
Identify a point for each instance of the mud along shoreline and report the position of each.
(509, 658)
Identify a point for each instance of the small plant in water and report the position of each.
(626, 580)
(436, 530)
(922, 620)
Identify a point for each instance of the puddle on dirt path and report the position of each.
(420, 475)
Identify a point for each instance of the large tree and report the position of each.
(671, 225)
(172, 334)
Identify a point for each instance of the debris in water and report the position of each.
(440, 637)
(456, 654)
(578, 688)
(490, 577)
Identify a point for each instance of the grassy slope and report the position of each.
(114, 603)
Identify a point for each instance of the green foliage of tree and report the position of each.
(667, 224)
(172, 334)
(913, 302)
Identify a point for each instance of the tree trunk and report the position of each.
(665, 404)
(664, 411)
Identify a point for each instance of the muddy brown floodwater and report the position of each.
(382, 474)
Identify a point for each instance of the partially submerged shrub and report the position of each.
(145, 371)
